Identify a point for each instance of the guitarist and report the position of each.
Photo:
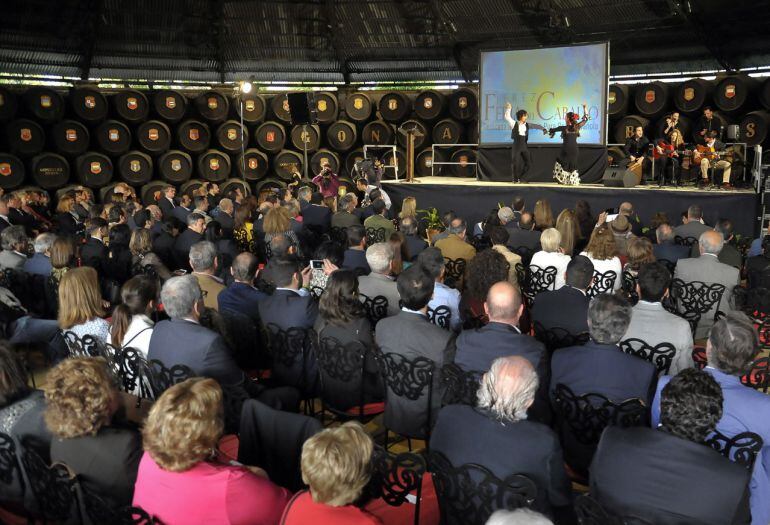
(666, 154)
(708, 156)
(637, 148)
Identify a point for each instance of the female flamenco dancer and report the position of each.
(565, 170)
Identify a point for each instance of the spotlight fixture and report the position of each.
(245, 86)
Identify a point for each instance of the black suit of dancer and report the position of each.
(568, 156)
(520, 157)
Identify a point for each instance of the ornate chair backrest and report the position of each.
(660, 355)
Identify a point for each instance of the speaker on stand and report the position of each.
(302, 108)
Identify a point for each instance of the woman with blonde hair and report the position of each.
(81, 401)
(180, 479)
(543, 215)
(142, 255)
(80, 304)
(335, 465)
(552, 255)
(408, 208)
(602, 251)
(278, 222)
(66, 220)
(569, 229)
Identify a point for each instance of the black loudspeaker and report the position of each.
(733, 132)
(302, 108)
(619, 178)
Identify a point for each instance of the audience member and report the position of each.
(314, 213)
(401, 257)
(729, 254)
(81, 401)
(331, 254)
(498, 236)
(184, 209)
(378, 220)
(621, 231)
(651, 323)
(484, 270)
(414, 243)
(732, 345)
(243, 229)
(62, 258)
(379, 282)
(226, 218)
(93, 252)
(131, 323)
(567, 307)
(666, 249)
(635, 468)
(80, 304)
(290, 305)
(345, 218)
(639, 251)
(454, 245)
(543, 215)
(336, 466)
(707, 269)
(168, 201)
(178, 480)
(278, 222)
(756, 266)
(14, 243)
(40, 262)
(507, 220)
(693, 227)
(163, 243)
(585, 218)
(432, 262)
(603, 254)
(520, 516)
(204, 264)
(142, 255)
(241, 296)
(355, 256)
(551, 255)
(446, 220)
(196, 225)
(117, 265)
(526, 236)
(571, 240)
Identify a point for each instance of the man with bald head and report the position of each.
(709, 270)
(497, 435)
(242, 296)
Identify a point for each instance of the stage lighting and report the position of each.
(246, 86)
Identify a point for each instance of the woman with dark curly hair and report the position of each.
(485, 269)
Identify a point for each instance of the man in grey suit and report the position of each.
(410, 335)
(379, 256)
(709, 270)
(651, 323)
(694, 226)
(14, 242)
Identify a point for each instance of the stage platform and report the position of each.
(473, 199)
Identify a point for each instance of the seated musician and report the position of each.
(637, 148)
(666, 154)
(672, 123)
(708, 156)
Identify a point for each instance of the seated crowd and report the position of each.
(584, 362)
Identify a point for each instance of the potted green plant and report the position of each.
(432, 220)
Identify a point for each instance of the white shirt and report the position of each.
(607, 265)
(443, 295)
(139, 333)
(384, 195)
(543, 259)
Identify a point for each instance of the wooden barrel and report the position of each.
(419, 142)
(463, 105)
(327, 109)
(720, 122)
(93, 169)
(651, 99)
(625, 127)
(285, 162)
(764, 96)
(131, 105)
(755, 128)
(175, 167)
(8, 104)
(232, 184)
(70, 137)
(732, 93)
(389, 160)
(251, 106)
(154, 137)
(212, 106)
(358, 107)
(279, 106)
(617, 100)
(424, 160)
(378, 133)
(268, 184)
(44, 104)
(472, 132)
(270, 137)
(685, 126)
(324, 156)
(152, 192)
(25, 137)
(691, 95)
(193, 136)
(350, 161)
(113, 137)
(341, 135)
(306, 135)
(169, 105)
(429, 105)
(464, 156)
(190, 187)
(50, 171)
(214, 166)
(88, 104)
(447, 131)
(135, 168)
(395, 106)
(12, 171)
(231, 137)
(252, 165)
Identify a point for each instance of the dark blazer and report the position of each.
(4, 224)
(165, 206)
(730, 255)
(105, 463)
(470, 435)
(529, 238)
(180, 342)
(227, 222)
(415, 245)
(23, 218)
(691, 229)
(316, 215)
(67, 225)
(412, 335)
(343, 219)
(181, 213)
(566, 308)
(356, 259)
(635, 471)
(163, 247)
(755, 267)
(182, 245)
(477, 348)
(242, 298)
(93, 253)
(288, 309)
(670, 251)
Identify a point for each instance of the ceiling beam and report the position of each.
(216, 17)
(711, 38)
(445, 34)
(334, 27)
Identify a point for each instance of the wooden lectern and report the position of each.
(410, 133)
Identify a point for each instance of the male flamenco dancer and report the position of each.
(520, 157)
